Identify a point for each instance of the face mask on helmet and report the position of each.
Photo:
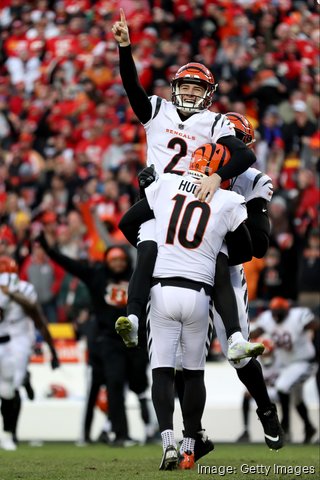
(244, 129)
(193, 74)
(208, 159)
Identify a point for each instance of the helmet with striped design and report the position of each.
(208, 159)
(244, 129)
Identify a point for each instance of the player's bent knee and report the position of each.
(7, 390)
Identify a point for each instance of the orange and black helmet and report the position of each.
(8, 265)
(200, 75)
(279, 303)
(208, 159)
(244, 129)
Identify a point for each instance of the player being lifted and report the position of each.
(257, 190)
(174, 130)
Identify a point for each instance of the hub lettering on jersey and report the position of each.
(186, 186)
(180, 134)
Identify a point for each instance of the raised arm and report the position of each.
(137, 96)
(76, 268)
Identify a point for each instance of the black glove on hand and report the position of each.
(147, 176)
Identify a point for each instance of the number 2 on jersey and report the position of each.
(185, 222)
(180, 154)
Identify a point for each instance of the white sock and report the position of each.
(106, 426)
(134, 320)
(235, 338)
(168, 439)
(187, 445)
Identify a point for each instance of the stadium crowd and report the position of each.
(71, 147)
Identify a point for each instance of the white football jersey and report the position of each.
(16, 321)
(253, 184)
(190, 233)
(171, 141)
(292, 342)
(4, 324)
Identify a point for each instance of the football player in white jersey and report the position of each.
(190, 234)
(257, 190)
(174, 130)
(7, 368)
(289, 329)
(20, 317)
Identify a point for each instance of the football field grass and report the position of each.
(58, 461)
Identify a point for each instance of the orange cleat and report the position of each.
(186, 460)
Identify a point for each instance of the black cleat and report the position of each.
(169, 459)
(244, 437)
(309, 432)
(273, 432)
(124, 442)
(203, 445)
(103, 438)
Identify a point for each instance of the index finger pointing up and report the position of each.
(122, 16)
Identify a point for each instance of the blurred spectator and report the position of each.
(271, 283)
(306, 214)
(252, 271)
(296, 132)
(309, 272)
(46, 277)
(73, 302)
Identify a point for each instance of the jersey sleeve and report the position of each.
(262, 187)
(221, 127)
(237, 213)
(4, 301)
(28, 290)
(156, 105)
(306, 317)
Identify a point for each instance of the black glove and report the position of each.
(147, 176)
(55, 362)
